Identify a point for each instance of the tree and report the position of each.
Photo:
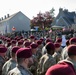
(52, 12)
(43, 20)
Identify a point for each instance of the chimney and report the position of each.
(7, 15)
(66, 10)
(2, 18)
(60, 9)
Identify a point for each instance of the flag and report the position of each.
(13, 28)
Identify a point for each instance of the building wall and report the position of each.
(62, 22)
(4, 27)
(20, 22)
(61, 13)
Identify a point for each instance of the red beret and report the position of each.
(42, 39)
(72, 49)
(48, 40)
(50, 46)
(59, 40)
(20, 42)
(3, 49)
(39, 42)
(8, 44)
(15, 49)
(2, 45)
(8, 40)
(18, 39)
(24, 53)
(72, 40)
(21, 37)
(32, 36)
(13, 42)
(34, 45)
(57, 45)
(61, 69)
(27, 43)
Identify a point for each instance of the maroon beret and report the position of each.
(48, 40)
(15, 49)
(18, 39)
(59, 40)
(3, 49)
(21, 37)
(72, 49)
(39, 42)
(20, 42)
(32, 37)
(13, 42)
(1, 45)
(50, 46)
(8, 44)
(72, 40)
(61, 69)
(8, 40)
(24, 53)
(15, 38)
(27, 43)
(57, 45)
(34, 45)
(42, 39)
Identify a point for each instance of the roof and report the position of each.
(67, 16)
(9, 17)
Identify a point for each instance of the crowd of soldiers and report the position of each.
(32, 56)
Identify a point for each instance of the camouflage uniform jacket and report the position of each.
(72, 61)
(64, 53)
(57, 56)
(9, 65)
(19, 70)
(33, 67)
(46, 61)
(2, 61)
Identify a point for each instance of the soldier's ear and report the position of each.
(26, 60)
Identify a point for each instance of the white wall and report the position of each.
(20, 22)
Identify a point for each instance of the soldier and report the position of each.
(59, 41)
(11, 63)
(44, 49)
(64, 53)
(3, 50)
(39, 51)
(27, 44)
(46, 60)
(20, 43)
(13, 43)
(33, 67)
(72, 55)
(56, 54)
(62, 68)
(32, 38)
(23, 60)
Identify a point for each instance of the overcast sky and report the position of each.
(31, 7)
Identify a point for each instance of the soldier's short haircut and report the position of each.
(12, 54)
(20, 60)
